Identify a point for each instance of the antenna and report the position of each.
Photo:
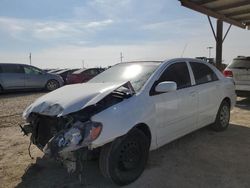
(30, 57)
(82, 63)
(184, 49)
(121, 57)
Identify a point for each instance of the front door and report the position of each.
(34, 78)
(175, 111)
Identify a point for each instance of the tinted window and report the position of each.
(178, 73)
(240, 64)
(203, 73)
(31, 70)
(12, 69)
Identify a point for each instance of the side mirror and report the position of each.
(166, 86)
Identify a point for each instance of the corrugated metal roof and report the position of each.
(235, 12)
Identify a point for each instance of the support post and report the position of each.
(219, 41)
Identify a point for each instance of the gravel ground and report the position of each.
(201, 159)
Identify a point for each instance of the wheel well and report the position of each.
(145, 129)
(1, 87)
(228, 101)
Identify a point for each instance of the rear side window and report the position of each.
(203, 73)
(178, 73)
(240, 64)
(12, 69)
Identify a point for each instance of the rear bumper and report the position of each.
(239, 87)
(243, 93)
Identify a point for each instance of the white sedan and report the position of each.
(128, 110)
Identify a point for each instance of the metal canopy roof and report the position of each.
(235, 12)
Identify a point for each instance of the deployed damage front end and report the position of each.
(62, 127)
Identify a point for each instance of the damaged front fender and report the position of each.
(73, 98)
(59, 133)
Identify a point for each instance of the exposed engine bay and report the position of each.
(67, 138)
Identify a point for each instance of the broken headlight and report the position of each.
(53, 110)
(81, 134)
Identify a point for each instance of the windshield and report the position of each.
(240, 64)
(136, 73)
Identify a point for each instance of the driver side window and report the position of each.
(31, 70)
(177, 72)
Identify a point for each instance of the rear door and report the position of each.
(12, 76)
(34, 78)
(208, 87)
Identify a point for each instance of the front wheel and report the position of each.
(222, 118)
(124, 160)
(52, 85)
(1, 89)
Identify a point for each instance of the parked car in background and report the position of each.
(239, 70)
(83, 75)
(21, 76)
(64, 73)
(55, 70)
(128, 110)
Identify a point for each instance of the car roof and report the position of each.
(242, 58)
(14, 64)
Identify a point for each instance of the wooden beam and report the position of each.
(238, 13)
(232, 5)
(212, 13)
(202, 2)
(243, 19)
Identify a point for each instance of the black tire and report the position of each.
(124, 160)
(1, 89)
(223, 116)
(52, 85)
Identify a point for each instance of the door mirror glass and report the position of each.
(166, 86)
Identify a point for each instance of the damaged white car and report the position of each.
(128, 110)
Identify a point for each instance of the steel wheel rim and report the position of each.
(224, 116)
(129, 157)
(52, 85)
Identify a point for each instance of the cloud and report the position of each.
(47, 30)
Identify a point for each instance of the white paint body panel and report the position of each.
(169, 115)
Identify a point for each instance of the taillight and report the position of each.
(228, 73)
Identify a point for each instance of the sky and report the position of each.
(73, 33)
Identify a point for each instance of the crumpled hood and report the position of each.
(71, 98)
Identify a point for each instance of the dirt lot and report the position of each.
(201, 159)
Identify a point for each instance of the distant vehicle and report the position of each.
(65, 73)
(128, 110)
(55, 70)
(48, 70)
(239, 70)
(20, 76)
(83, 75)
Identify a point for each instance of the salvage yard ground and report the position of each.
(201, 159)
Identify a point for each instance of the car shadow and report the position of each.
(201, 159)
(243, 103)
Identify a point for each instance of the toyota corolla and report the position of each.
(127, 111)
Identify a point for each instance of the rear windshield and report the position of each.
(240, 64)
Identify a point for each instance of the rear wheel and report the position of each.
(222, 118)
(124, 160)
(52, 85)
(1, 89)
